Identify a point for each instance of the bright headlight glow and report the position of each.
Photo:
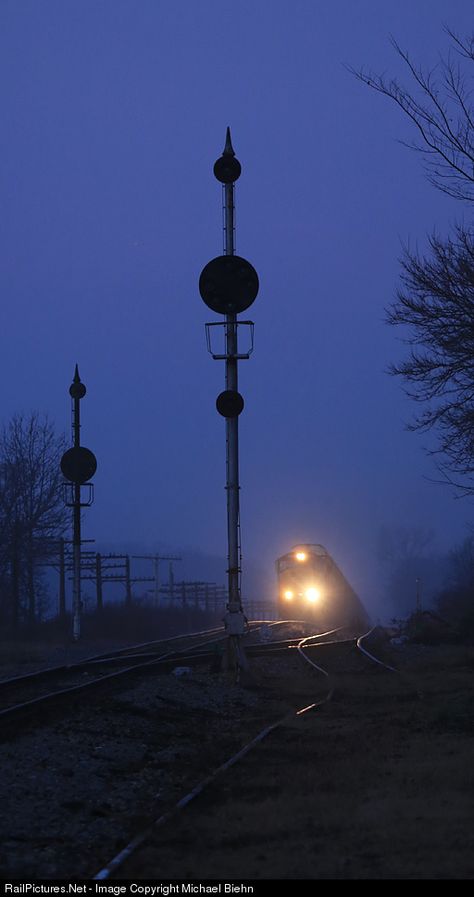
(300, 556)
(288, 595)
(312, 594)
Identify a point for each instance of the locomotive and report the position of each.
(311, 587)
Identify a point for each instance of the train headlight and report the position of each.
(300, 555)
(288, 595)
(312, 595)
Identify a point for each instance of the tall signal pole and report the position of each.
(231, 384)
(229, 285)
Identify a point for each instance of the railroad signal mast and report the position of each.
(78, 466)
(229, 285)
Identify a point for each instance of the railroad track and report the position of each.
(24, 696)
(331, 647)
(79, 787)
(55, 686)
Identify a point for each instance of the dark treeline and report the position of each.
(417, 577)
(32, 514)
(456, 600)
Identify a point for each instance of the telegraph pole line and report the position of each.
(156, 558)
(99, 570)
(62, 581)
(98, 583)
(229, 285)
(418, 596)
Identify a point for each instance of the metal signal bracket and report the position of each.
(223, 356)
(69, 496)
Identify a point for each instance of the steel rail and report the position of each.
(371, 656)
(58, 694)
(156, 660)
(173, 638)
(297, 638)
(50, 671)
(118, 860)
(47, 672)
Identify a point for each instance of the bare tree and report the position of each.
(32, 512)
(440, 107)
(436, 300)
(436, 303)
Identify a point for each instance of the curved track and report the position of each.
(30, 694)
(54, 685)
(302, 645)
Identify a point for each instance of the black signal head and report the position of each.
(227, 169)
(77, 390)
(230, 403)
(78, 464)
(228, 284)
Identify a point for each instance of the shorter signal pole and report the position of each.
(78, 465)
(77, 391)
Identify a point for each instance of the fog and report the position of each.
(113, 116)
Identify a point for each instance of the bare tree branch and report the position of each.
(435, 303)
(442, 111)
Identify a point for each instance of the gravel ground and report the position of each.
(377, 784)
(76, 790)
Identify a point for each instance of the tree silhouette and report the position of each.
(32, 512)
(436, 299)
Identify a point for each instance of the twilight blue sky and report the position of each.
(113, 113)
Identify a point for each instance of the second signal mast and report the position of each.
(229, 285)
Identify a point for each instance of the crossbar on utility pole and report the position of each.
(156, 558)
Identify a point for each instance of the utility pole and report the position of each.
(62, 581)
(98, 582)
(418, 596)
(229, 285)
(78, 465)
(156, 558)
(128, 584)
